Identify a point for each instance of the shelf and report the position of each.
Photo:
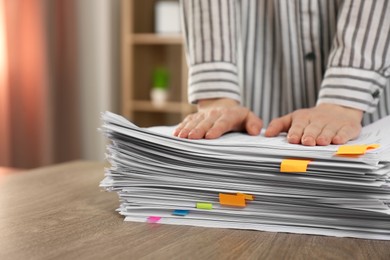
(152, 38)
(148, 119)
(142, 51)
(146, 59)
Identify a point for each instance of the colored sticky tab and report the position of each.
(355, 149)
(204, 205)
(246, 196)
(180, 212)
(232, 200)
(294, 165)
(153, 219)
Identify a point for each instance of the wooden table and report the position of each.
(59, 212)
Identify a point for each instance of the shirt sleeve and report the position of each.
(211, 45)
(359, 62)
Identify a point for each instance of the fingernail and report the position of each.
(208, 135)
(176, 132)
(338, 140)
(322, 140)
(308, 141)
(192, 133)
(182, 134)
(292, 138)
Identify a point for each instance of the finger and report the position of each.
(184, 131)
(200, 130)
(328, 132)
(253, 124)
(190, 124)
(311, 133)
(228, 120)
(298, 124)
(182, 124)
(206, 124)
(278, 125)
(178, 129)
(346, 133)
(222, 125)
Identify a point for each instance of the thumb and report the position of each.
(278, 125)
(253, 124)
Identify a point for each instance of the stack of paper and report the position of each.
(251, 182)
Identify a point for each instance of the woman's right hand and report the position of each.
(216, 117)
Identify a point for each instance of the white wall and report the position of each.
(98, 29)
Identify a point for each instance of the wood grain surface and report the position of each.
(59, 212)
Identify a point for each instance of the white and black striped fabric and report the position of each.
(276, 56)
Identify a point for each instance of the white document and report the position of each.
(156, 173)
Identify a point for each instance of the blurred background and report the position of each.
(63, 62)
(59, 69)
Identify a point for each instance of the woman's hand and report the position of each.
(216, 117)
(320, 125)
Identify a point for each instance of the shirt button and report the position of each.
(375, 94)
(310, 56)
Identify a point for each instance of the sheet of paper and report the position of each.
(156, 173)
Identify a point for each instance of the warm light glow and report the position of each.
(4, 122)
(3, 47)
(26, 84)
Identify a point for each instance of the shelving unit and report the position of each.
(143, 51)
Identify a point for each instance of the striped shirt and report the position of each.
(276, 56)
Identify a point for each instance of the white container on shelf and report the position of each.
(159, 97)
(167, 17)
